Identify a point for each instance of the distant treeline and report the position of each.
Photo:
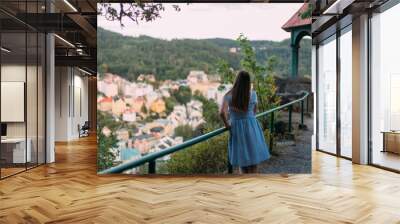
(131, 56)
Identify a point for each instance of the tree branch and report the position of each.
(136, 12)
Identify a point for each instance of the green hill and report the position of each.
(173, 59)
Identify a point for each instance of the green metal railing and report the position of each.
(151, 158)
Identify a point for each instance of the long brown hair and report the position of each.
(241, 92)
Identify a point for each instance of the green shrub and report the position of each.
(184, 131)
(209, 157)
(271, 142)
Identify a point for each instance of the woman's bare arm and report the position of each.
(223, 113)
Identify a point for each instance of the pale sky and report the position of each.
(257, 21)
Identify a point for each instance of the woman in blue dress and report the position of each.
(247, 147)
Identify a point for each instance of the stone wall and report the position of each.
(291, 88)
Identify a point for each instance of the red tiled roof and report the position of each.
(106, 100)
(296, 20)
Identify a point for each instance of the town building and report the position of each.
(197, 77)
(158, 106)
(109, 89)
(118, 107)
(129, 115)
(105, 103)
(122, 134)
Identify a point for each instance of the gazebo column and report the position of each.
(295, 60)
(298, 28)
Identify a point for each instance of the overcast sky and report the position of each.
(258, 21)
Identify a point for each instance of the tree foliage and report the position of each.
(226, 72)
(170, 103)
(136, 11)
(210, 112)
(185, 131)
(105, 157)
(105, 144)
(262, 75)
(183, 95)
(174, 59)
(106, 120)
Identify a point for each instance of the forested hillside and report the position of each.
(131, 56)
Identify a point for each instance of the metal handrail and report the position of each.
(150, 158)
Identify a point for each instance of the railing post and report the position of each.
(152, 167)
(271, 131)
(290, 118)
(302, 113)
(271, 123)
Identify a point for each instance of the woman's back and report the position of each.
(237, 114)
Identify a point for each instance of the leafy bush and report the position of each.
(184, 131)
(270, 140)
(105, 157)
(170, 103)
(209, 157)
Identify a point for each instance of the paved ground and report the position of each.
(292, 156)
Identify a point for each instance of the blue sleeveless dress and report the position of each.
(246, 142)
